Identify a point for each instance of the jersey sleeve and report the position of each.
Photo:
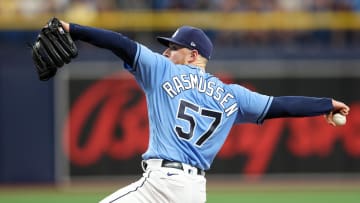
(253, 106)
(148, 67)
(119, 44)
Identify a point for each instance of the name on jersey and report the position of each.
(186, 82)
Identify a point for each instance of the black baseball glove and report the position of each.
(52, 49)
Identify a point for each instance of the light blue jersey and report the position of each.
(191, 112)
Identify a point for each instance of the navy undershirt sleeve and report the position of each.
(298, 106)
(119, 44)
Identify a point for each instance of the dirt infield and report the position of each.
(224, 189)
(311, 182)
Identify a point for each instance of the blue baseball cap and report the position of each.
(191, 38)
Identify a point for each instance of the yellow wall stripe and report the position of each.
(161, 21)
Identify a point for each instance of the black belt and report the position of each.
(179, 165)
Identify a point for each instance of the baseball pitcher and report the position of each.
(190, 111)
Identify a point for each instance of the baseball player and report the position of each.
(190, 111)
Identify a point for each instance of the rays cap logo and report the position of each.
(191, 38)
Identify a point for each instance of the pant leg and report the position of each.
(162, 185)
(182, 187)
(175, 186)
(127, 194)
(145, 190)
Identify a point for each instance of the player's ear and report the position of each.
(194, 55)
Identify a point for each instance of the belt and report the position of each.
(179, 165)
(176, 165)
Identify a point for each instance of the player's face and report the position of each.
(178, 54)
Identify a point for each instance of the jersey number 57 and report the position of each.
(183, 115)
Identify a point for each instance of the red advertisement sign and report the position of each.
(108, 119)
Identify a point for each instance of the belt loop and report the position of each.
(143, 165)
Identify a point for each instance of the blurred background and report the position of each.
(89, 123)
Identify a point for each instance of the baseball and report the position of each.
(339, 119)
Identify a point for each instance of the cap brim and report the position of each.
(166, 40)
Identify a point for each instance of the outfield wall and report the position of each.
(93, 143)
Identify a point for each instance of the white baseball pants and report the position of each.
(163, 185)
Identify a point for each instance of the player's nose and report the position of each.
(166, 53)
